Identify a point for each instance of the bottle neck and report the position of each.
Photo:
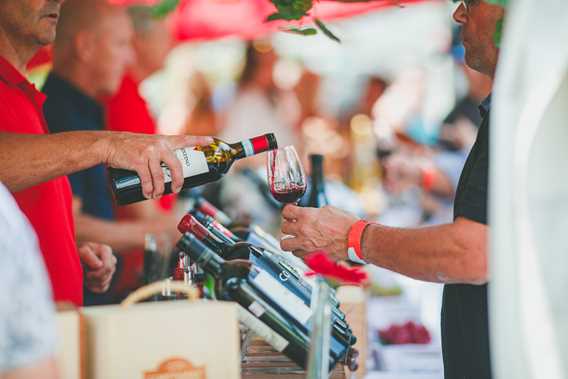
(215, 243)
(317, 176)
(254, 146)
(208, 222)
(179, 272)
(201, 254)
(209, 209)
(220, 231)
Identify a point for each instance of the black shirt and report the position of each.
(465, 324)
(68, 109)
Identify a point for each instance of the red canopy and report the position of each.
(134, 2)
(210, 19)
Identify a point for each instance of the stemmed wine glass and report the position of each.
(286, 177)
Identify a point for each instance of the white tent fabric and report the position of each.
(529, 195)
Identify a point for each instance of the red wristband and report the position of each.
(354, 251)
(428, 178)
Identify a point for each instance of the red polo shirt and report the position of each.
(127, 111)
(48, 205)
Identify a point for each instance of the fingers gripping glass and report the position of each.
(286, 177)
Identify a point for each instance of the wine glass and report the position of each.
(286, 177)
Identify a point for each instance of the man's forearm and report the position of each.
(453, 253)
(28, 159)
(120, 236)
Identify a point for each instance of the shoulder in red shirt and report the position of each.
(48, 206)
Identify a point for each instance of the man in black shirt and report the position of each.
(454, 254)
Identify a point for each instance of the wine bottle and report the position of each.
(242, 250)
(214, 226)
(316, 195)
(234, 284)
(201, 164)
(180, 271)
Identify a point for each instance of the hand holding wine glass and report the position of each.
(286, 177)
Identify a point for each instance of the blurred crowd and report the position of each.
(393, 167)
(383, 160)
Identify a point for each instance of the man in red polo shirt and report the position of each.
(32, 163)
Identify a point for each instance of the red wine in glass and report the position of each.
(286, 178)
(288, 195)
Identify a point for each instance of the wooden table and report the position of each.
(263, 362)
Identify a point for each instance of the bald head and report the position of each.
(93, 44)
(79, 16)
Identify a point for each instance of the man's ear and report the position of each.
(84, 43)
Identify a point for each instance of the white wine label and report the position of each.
(286, 299)
(193, 163)
(248, 148)
(274, 339)
(257, 309)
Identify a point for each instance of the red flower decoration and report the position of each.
(407, 333)
(321, 264)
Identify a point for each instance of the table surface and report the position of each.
(263, 362)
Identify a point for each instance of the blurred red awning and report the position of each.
(134, 2)
(211, 19)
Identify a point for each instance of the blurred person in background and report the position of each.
(436, 170)
(259, 105)
(128, 111)
(202, 119)
(376, 87)
(320, 134)
(90, 55)
(453, 253)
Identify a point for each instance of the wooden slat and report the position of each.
(263, 362)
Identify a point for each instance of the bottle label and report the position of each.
(256, 309)
(193, 163)
(281, 296)
(274, 339)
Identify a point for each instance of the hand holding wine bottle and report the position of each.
(200, 165)
(145, 153)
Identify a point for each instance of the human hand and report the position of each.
(100, 265)
(144, 154)
(312, 229)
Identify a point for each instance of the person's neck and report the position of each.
(139, 73)
(79, 77)
(18, 54)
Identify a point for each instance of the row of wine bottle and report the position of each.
(268, 284)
